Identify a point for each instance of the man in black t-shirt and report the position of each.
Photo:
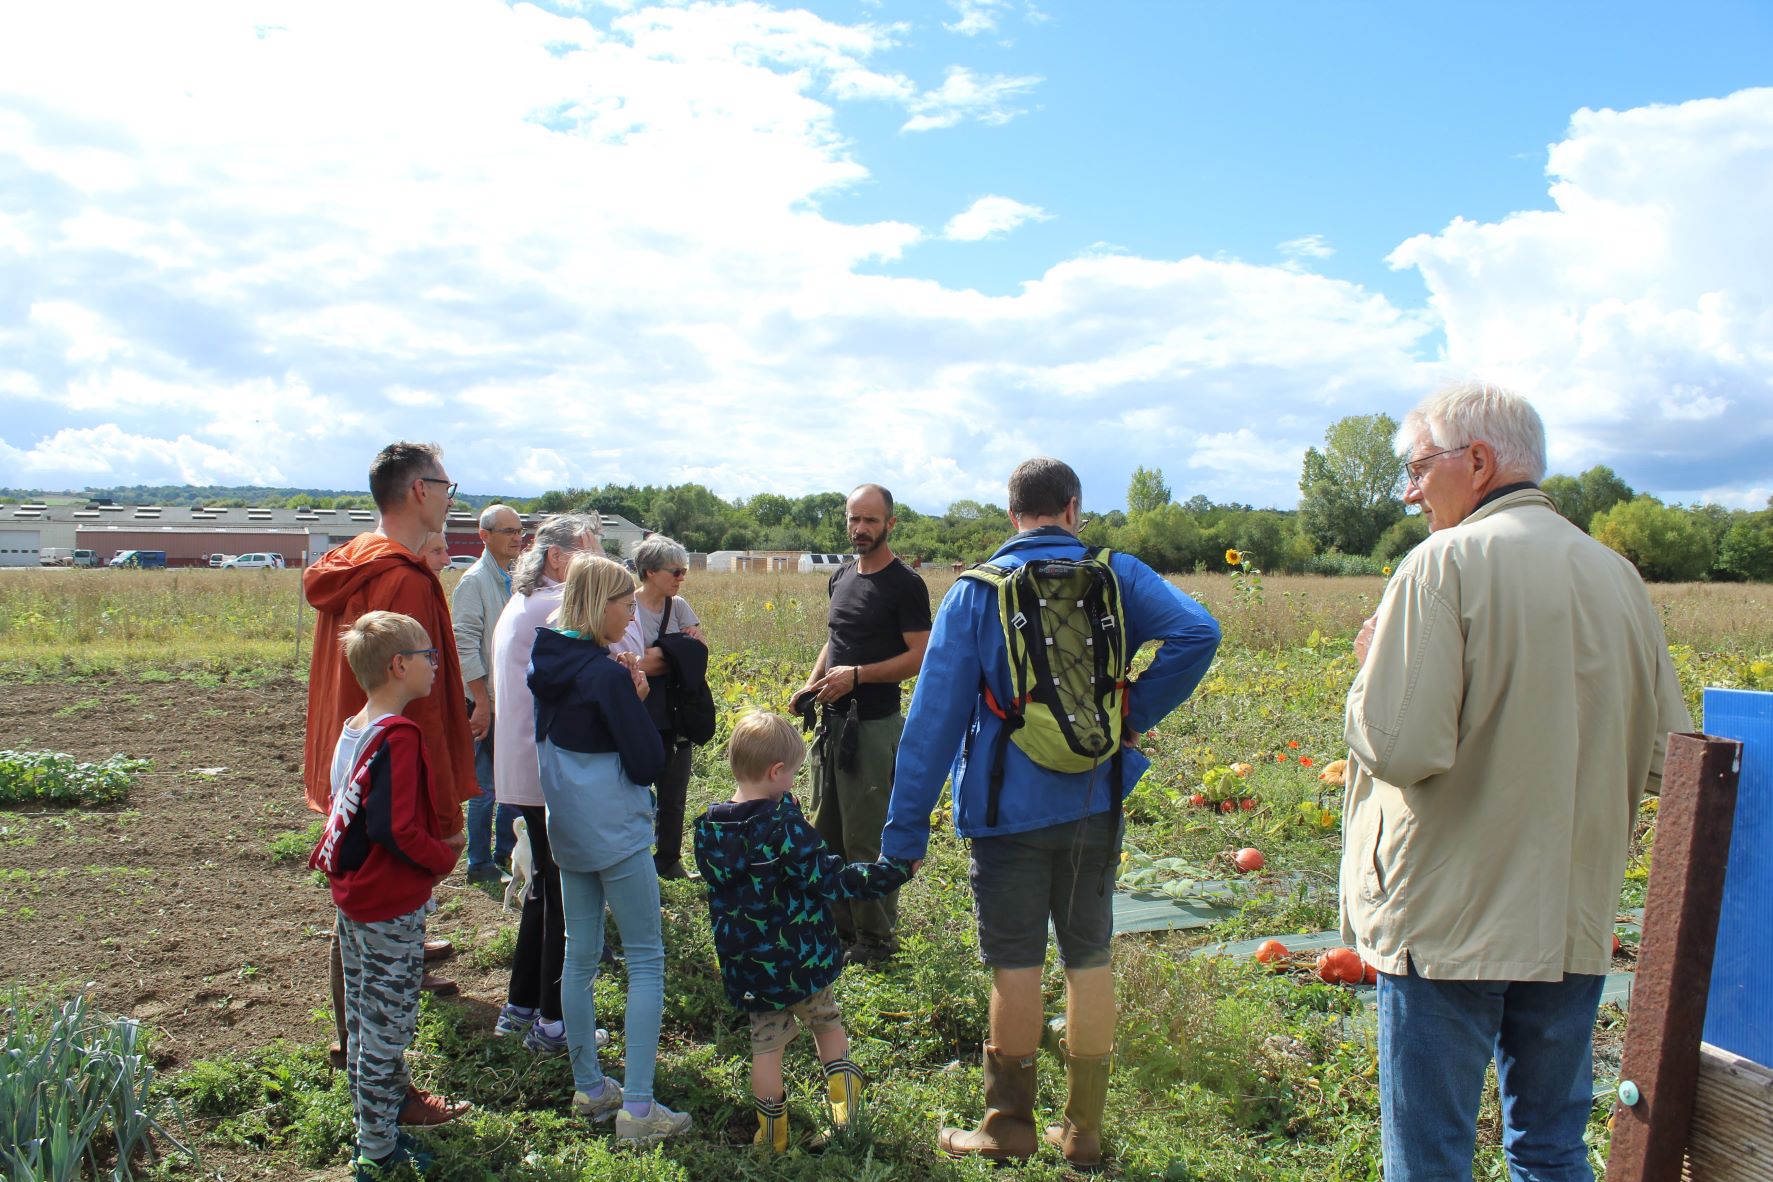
(879, 626)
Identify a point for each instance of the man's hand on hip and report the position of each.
(480, 715)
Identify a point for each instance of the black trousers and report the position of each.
(673, 792)
(541, 931)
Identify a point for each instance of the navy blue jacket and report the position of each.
(770, 882)
(597, 753)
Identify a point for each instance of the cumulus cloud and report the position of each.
(575, 249)
(976, 16)
(1310, 246)
(988, 98)
(1638, 311)
(991, 217)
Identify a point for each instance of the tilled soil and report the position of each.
(171, 905)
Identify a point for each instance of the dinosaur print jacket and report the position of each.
(770, 882)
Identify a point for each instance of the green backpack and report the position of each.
(1067, 646)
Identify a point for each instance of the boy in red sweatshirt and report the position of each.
(382, 853)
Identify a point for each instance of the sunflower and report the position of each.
(1234, 557)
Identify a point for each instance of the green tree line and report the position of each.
(1351, 518)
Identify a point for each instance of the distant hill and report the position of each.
(217, 494)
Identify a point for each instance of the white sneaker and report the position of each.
(658, 1123)
(602, 1106)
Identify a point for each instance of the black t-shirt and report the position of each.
(870, 615)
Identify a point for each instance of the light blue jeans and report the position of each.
(1435, 1039)
(631, 889)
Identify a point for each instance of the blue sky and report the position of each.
(789, 248)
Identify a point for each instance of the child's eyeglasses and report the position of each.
(430, 654)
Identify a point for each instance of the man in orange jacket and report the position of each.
(381, 571)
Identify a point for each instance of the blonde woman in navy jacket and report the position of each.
(599, 753)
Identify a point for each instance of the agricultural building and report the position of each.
(191, 534)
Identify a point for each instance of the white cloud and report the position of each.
(1310, 246)
(105, 455)
(574, 254)
(991, 217)
(987, 98)
(1639, 312)
(976, 16)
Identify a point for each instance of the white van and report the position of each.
(62, 556)
(822, 563)
(254, 562)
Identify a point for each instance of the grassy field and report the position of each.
(1223, 1071)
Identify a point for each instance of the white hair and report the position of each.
(1466, 412)
(570, 532)
(489, 516)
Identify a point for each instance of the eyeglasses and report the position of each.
(509, 531)
(430, 654)
(1414, 468)
(453, 485)
(677, 571)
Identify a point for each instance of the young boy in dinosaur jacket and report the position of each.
(770, 883)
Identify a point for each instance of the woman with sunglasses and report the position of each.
(660, 565)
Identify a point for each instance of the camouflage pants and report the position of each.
(383, 964)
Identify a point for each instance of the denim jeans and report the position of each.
(1435, 1039)
(484, 814)
(631, 888)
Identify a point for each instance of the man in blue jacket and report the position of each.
(1055, 836)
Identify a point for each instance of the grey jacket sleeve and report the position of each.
(469, 615)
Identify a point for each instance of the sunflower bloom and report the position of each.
(1235, 558)
(1385, 570)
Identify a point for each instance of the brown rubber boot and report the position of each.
(1079, 1137)
(1006, 1133)
(336, 970)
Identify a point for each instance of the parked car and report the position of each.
(141, 559)
(462, 561)
(218, 560)
(253, 562)
(63, 556)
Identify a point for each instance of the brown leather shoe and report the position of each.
(422, 1108)
(436, 950)
(1007, 1132)
(438, 985)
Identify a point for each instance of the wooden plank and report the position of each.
(1659, 1070)
(1732, 1134)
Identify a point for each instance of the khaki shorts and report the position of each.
(772, 1030)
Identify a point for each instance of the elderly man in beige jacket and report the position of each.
(1511, 710)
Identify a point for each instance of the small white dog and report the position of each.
(523, 866)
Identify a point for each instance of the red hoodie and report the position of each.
(374, 573)
(378, 851)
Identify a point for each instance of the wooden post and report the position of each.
(1660, 1069)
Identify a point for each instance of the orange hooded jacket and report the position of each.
(374, 573)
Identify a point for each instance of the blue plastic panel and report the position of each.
(1739, 1011)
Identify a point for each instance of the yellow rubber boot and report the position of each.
(843, 1084)
(772, 1124)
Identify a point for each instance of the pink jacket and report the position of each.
(514, 710)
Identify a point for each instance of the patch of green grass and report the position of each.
(294, 846)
